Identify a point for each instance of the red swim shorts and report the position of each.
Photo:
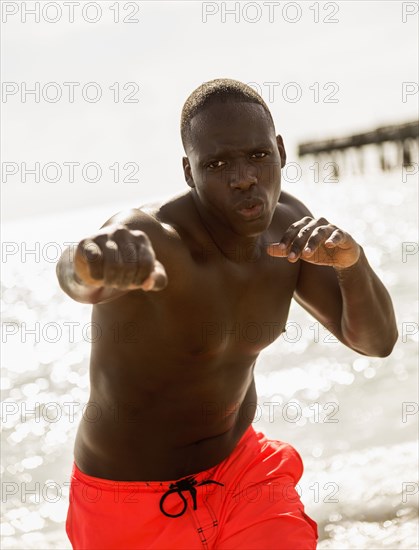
(246, 502)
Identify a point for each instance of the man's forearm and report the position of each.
(368, 322)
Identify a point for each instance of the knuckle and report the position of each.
(146, 251)
(93, 248)
(90, 250)
(141, 240)
(295, 225)
(304, 231)
(99, 239)
(85, 243)
(147, 264)
(119, 227)
(140, 235)
(119, 231)
(81, 247)
(322, 221)
(111, 248)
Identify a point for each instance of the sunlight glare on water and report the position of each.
(342, 411)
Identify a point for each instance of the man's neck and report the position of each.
(237, 248)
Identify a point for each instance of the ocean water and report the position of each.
(354, 419)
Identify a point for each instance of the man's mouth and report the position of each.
(250, 208)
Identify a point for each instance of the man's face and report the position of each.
(234, 165)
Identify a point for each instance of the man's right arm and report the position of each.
(108, 264)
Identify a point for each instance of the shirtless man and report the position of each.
(170, 459)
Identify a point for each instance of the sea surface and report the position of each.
(354, 419)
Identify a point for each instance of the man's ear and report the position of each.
(188, 172)
(281, 149)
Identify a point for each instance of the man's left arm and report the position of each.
(338, 287)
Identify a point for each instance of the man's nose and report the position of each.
(243, 176)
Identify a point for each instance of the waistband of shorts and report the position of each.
(156, 486)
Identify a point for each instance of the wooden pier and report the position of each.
(396, 145)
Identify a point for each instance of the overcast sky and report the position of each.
(320, 79)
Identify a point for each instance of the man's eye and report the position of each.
(215, 164)
(259, 155)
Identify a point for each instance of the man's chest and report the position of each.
(226, 307)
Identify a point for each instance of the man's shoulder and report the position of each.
(292, 207)
(288, 210)
(159, 217)
(172, 226)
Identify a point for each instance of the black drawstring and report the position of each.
(186, 484)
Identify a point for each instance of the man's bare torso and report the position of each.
(172, 386)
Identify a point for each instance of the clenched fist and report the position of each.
(119, 258)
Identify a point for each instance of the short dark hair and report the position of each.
(218, 90)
